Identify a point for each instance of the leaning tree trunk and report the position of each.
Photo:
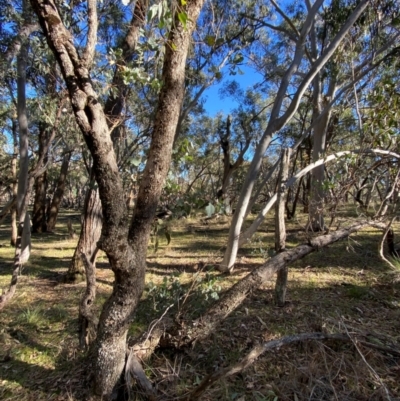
(59, 193)
(90, 234)
(277, 120)
(126, 252)
(170, 335)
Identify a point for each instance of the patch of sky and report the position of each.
(223, 96)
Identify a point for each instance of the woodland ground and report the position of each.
(344, 288)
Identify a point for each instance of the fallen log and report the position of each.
(168, 333)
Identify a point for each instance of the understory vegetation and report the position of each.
(345, 288)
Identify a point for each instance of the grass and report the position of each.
(343, 287)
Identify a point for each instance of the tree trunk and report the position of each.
(280, 229)
(22, 247)
(58, 193)
(14, 225)
(89, 236)
(126, 253)
(278, 121)
(316, 205)
(229, 168)
(39, 206)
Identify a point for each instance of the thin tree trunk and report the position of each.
(14, 225)
(280, 229)
(22, 248)
(59, 193)
(316, 205)
(39, 206)
(277, 121)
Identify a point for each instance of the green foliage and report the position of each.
(166, 293)
(208, 286)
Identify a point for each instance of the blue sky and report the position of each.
(216, 103)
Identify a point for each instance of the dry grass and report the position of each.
(344, 287)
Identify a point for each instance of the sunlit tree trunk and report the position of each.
(125, 248)
(90, 234)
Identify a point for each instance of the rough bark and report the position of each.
(116, 100)
(87, 320)
(127, 255)
(92, 225)
(90, 234)
(230, 168)
(58, 193)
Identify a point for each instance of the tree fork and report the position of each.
(126, 254)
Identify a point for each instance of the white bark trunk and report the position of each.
(276, 123)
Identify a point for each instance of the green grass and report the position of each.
(344, 285)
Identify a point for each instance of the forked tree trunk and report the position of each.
(90, 234)
(278, 120)
(58, 193)
(229, 168)
(126, 251)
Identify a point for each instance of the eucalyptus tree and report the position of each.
(124, 244)
(299, 75)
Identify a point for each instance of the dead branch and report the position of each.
(135, 373)
(377, 377)
(169, 334)
(257, 351)
(382, 241)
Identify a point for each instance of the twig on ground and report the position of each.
(377, 377)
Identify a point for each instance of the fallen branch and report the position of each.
(382, 241)
(135, 373)
(168, 333)
(253, 355)
(377, 377)
(288, 340)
